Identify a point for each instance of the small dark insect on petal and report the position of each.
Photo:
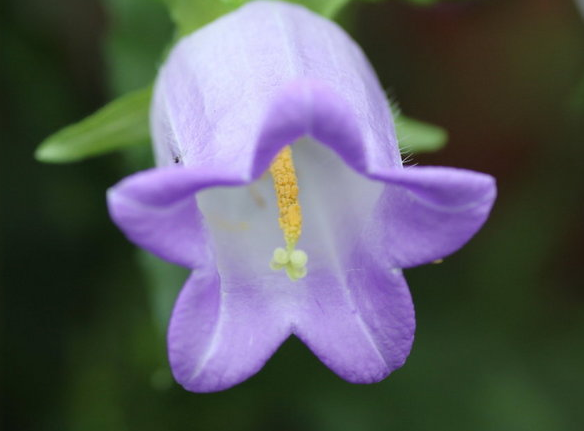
(176, 159)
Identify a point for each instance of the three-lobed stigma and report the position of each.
(290, 216)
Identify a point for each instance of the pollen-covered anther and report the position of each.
(290, 214)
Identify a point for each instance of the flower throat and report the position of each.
(290, 259)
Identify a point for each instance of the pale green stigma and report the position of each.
(298, 259)
(291, 260)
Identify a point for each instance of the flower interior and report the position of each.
(247, 229)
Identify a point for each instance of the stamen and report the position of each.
(290, 217)
(286, 186)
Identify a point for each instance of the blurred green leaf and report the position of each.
(326, 8)
(415, 136)
(119, 124)
(189, 15)
(136, 42)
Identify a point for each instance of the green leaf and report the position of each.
(415, 136)
(119, 124)
(189, 15)
(328, 8)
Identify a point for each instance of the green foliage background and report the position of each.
(500, 324)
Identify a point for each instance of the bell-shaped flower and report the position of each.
(279, 182)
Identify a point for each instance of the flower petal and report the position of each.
(361, 327)
(427, 213)
(156, 209)
(221, 334)
(232, 94)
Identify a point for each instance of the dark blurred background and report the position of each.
(500, 339)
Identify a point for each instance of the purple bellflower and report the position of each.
(229, 103)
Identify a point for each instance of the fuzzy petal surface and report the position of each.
(255, 80)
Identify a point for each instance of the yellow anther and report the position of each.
(290, 217)
(286, 186)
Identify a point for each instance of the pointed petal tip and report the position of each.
(217, 337)
(431, 212)
(362, 328)
(366, 370)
